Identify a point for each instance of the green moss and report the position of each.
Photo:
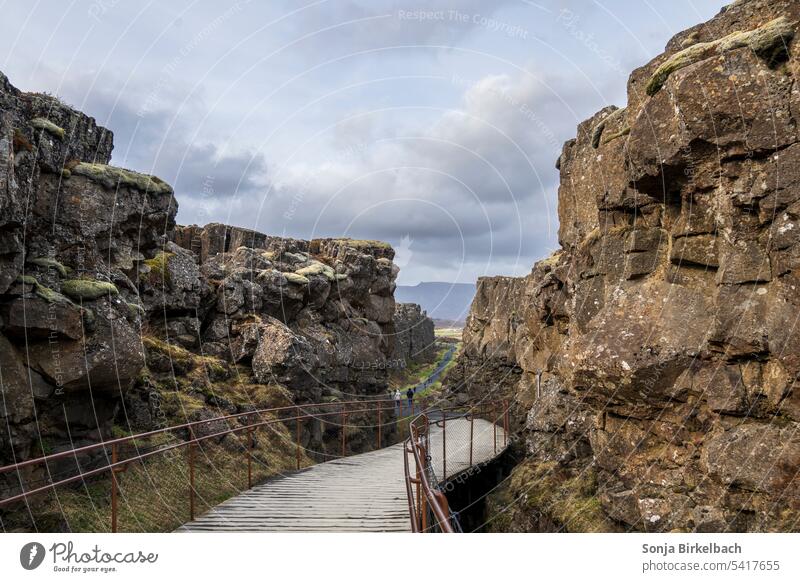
(175, 353)
(363, 244)
(768, 41)
(88, 289)
(597, 131)
(50, 296)
(158, 267)
(89, 318)
(296, 278)
(49, 263)
(44, 292)
(568, 498)
(48, 126)
(111, 177)
(614, 135)
(341, 276)
(135, 309)
(317, 268)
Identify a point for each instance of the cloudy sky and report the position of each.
(432, 124)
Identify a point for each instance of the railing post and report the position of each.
(471, 435)
(444, 446)
(250, 446)
(191, 474)
(506, 423)
(379, 425)
(420, 493)
(297, 442)
(113, 488)
(494, 425)
(344, 433)
(423, 498)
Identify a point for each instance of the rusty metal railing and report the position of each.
(428, 506)
(118, 457)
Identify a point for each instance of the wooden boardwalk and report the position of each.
(362, 493)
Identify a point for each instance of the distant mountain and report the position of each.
(441, 300)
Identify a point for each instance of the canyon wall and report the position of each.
(414, 334)
(113, 322)
(665, 328)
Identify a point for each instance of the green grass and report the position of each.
(418, 372)
(153, 496)
(449, 332)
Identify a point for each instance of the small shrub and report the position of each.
(21, 142)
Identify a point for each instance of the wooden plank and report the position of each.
(361, 493)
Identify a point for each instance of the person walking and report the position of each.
(410, 396)
(397, 401)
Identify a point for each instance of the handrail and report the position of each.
(297, 413)
(430, 500)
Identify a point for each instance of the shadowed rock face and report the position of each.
(665, 327)
(69, 321)
(414, 336)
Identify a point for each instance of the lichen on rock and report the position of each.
(113, 177)
(88, 289)
(769, 41)
(49, 263)
(48, 126)
(296, 278)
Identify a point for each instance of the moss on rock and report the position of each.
(48, 126)
(363, 243)
(49, 295)
(296, 278)
(317, 268)
(88, 289)
(768, 41)
(48, 263)
(135, 309)
(44, 292)
(158, 267)
(111, 177)
(614, 135)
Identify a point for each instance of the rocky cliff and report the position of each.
(665, 327)
(414, 337)
(69, 308)
(120, 321)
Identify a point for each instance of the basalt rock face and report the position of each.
(665, 327)
(315, 316)
(414, 336)
(487, 365)
(120, 320)
(69, 268)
